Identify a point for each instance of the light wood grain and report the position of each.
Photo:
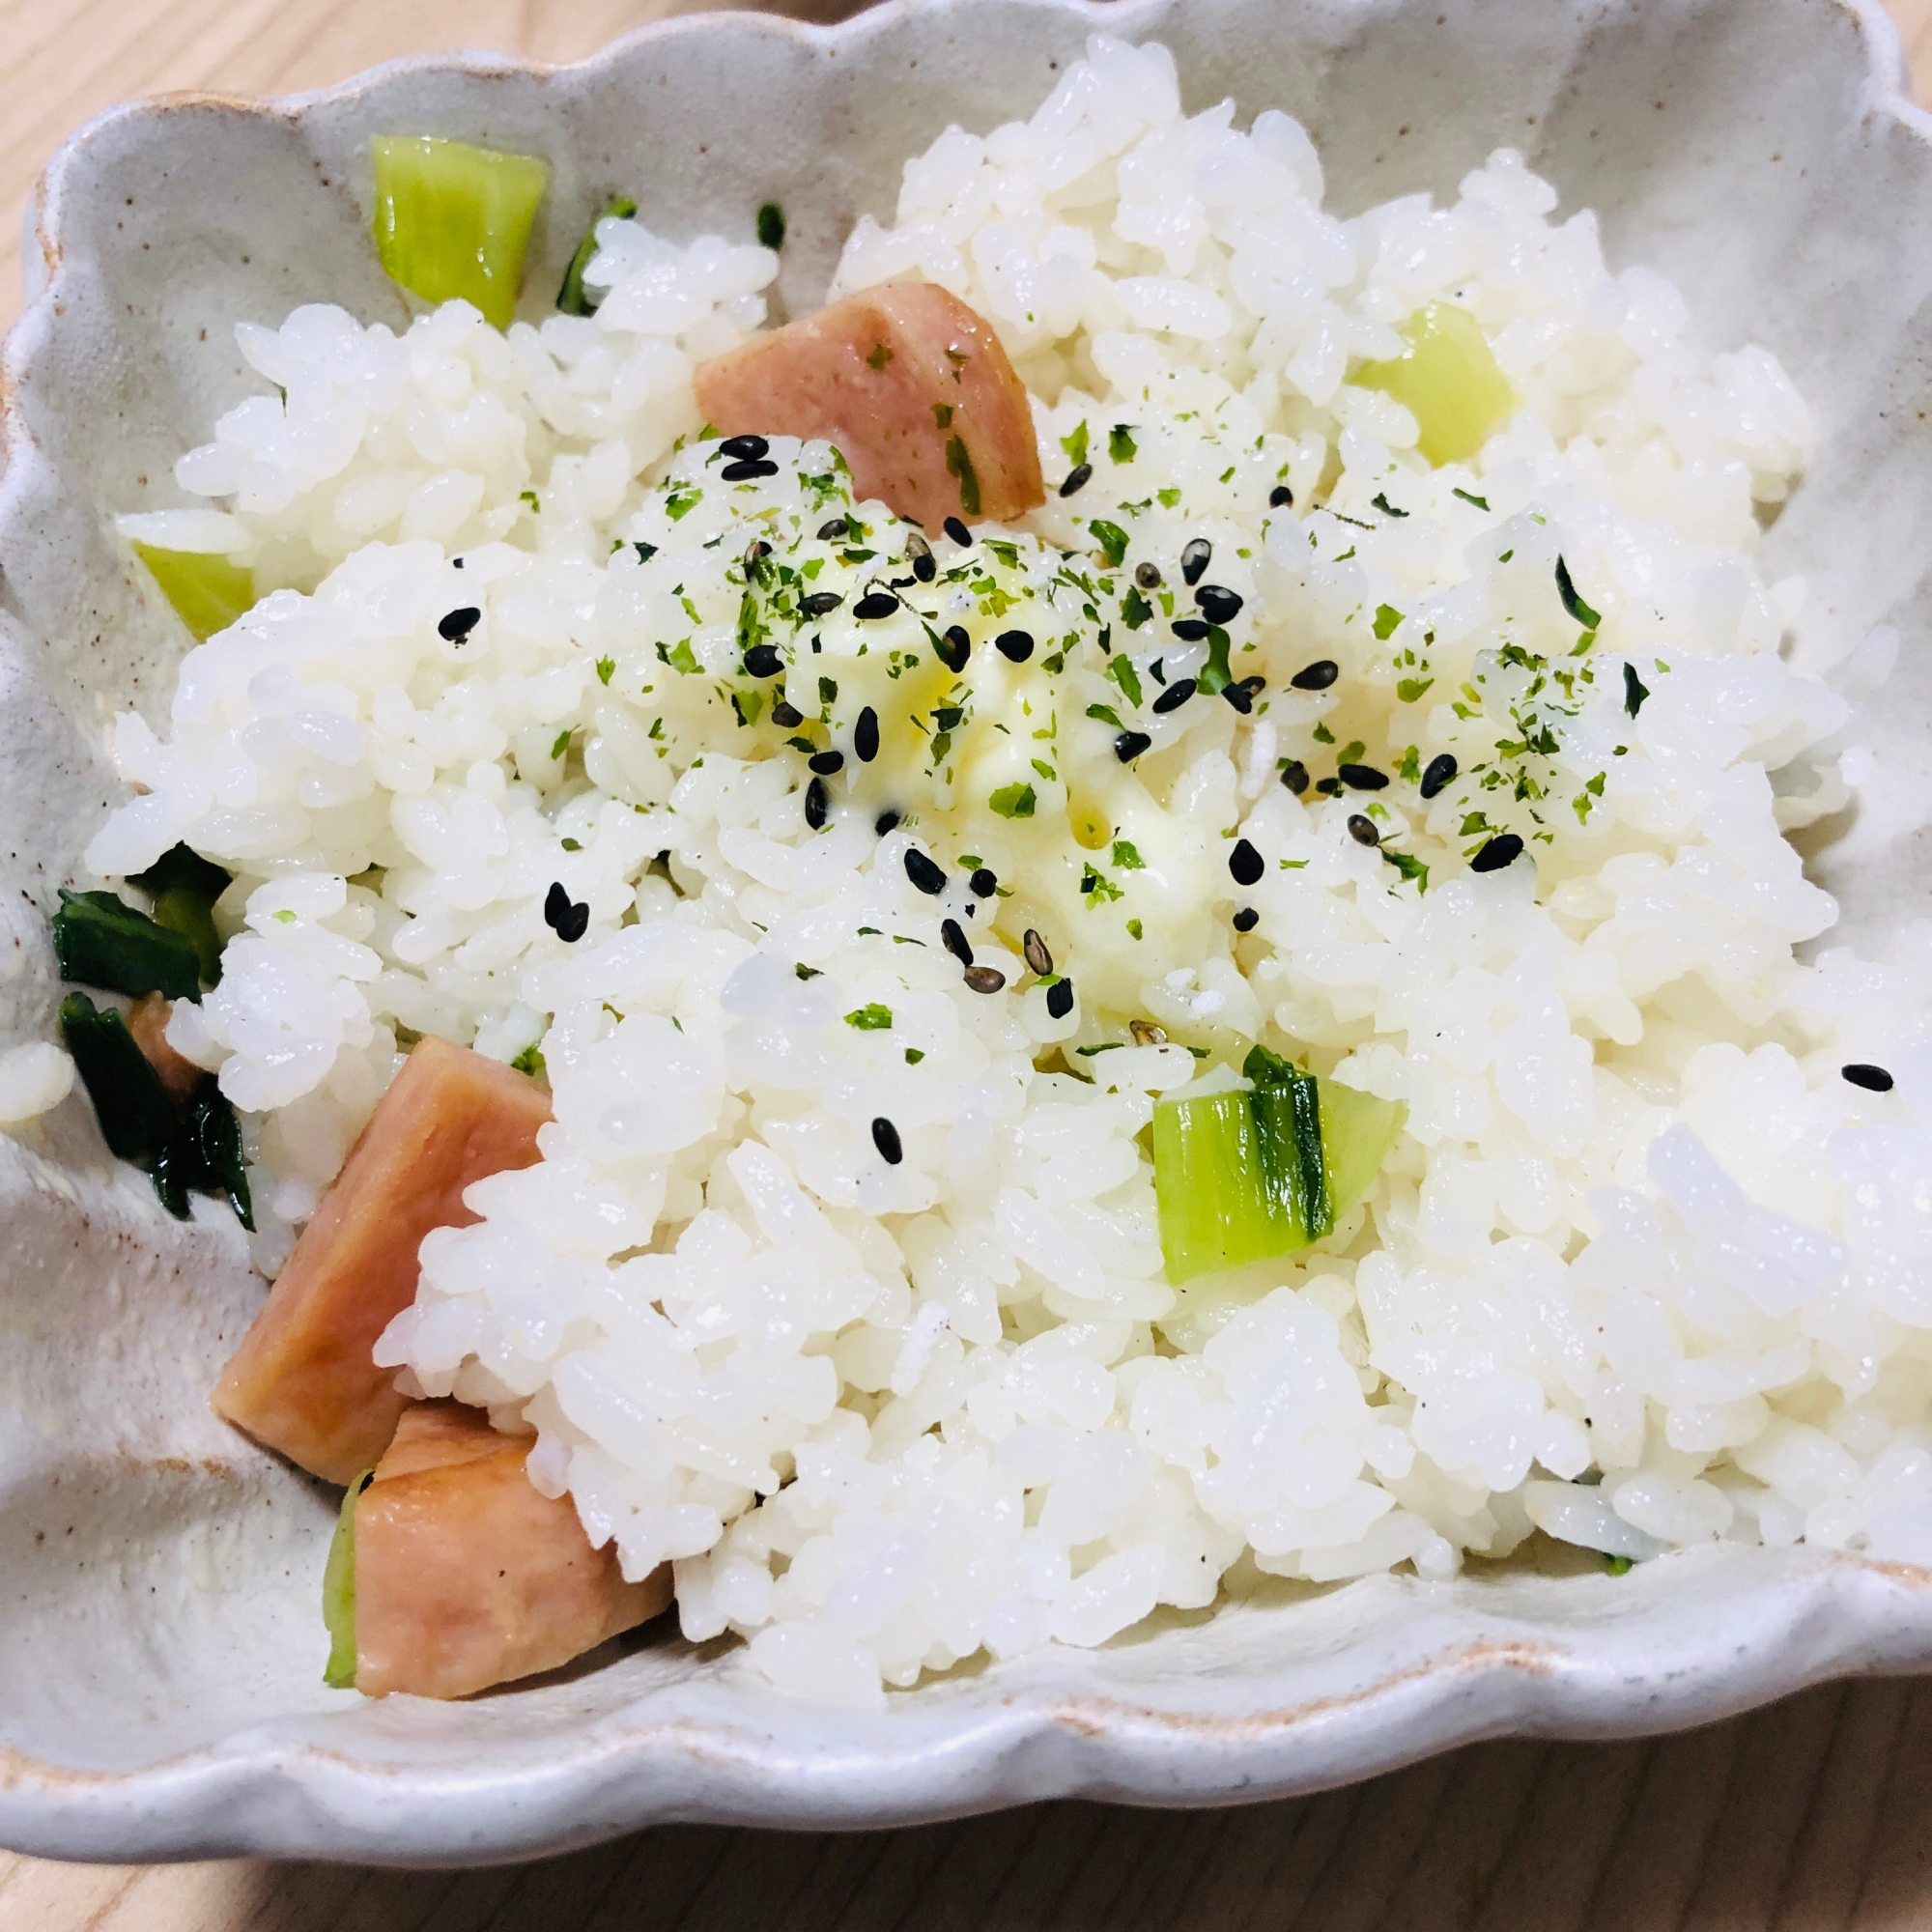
(1812, 1816)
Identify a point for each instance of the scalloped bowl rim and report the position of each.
(1461, 1672)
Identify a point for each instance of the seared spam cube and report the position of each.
(303, 1380)
(465, 1576)
(912, 388)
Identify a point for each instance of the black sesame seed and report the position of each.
(1295, 775)
(1328, 788)
(836, 530)
(886, 1138)
(1361, 777)
(1129, 745)
(821, 603)
(1239, 696)
(865, 736)
(1174, 695)
(1246, 920)
(953, 647)
(825, 763)
(1362, 830)
(1060, 999)
(1191, 630)
(755, 552)
(763, 661)
(876, 603)
(1317, 676)
(1873, 1079)
(887, 822)
(952, 936)
(786, 715)
(745, 473)
(1147, 576)
(1281, 497)
(1217, 603)
(1077, 479)
(1245, 864)
(455, 563)
(1016, 645)
(458, 625)
(1254, 684)
(985, 882)
(1440, 770)
(745, 448)
(919, 554)
(817, 805)
(957, 531)
(927, 876)
(568, 918)
(1037, 955)
(1195, 559)
(984, 979)
(1504, 849)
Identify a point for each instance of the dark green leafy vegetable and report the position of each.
(216, 1137)
(200, 1153)
(574, 298)
(185, 887)
(771, 227)
(1288, 1113)
(137, 1120)
(99, 941)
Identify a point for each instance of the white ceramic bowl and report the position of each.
(161, 1653)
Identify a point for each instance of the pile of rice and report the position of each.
(1643, 1269)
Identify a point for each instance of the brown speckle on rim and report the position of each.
(1096, 1716)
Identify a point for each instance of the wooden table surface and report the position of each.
(1811, 1817)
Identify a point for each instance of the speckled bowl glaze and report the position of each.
(161, 1653)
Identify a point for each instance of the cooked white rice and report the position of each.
(1643, 1271)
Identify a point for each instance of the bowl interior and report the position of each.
(161, 1649)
